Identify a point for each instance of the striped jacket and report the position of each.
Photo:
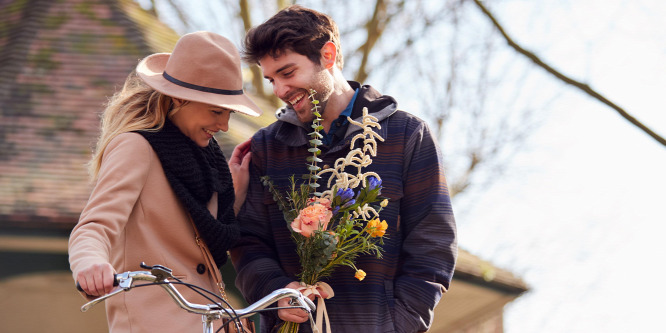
(402, 288)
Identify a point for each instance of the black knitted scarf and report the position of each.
(194, 173)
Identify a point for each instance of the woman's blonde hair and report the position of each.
(136, 107)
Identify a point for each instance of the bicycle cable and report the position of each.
(234, 317)
(230, 311)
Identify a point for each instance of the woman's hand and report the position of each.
(239, 165)
(97, 279)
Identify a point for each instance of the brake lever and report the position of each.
(308, 306)
(94, 302)
(304, 302)
(124, 283)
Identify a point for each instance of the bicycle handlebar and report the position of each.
(115, 283)
(160, 275)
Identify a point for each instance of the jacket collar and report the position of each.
(292, 132)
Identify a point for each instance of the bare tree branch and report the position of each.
(375, 28)
(283, 4)
(582, 86)
(428, 22)
(180, 12)
(153, 8)
(460, 96)
(257, 80)
(257, 75)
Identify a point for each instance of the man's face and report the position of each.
(292, 75)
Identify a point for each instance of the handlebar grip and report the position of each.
(115, 283)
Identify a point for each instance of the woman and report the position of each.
(162, 183)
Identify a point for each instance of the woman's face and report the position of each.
(200, 121)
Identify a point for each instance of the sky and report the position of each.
(579, 214)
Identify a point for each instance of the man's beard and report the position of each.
(323, 90)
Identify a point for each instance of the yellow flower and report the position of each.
(384, 203)
(376, 228)
(360, 275)
(372, 226)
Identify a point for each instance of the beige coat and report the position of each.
(133, 215)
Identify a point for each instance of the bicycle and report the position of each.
(160, 275)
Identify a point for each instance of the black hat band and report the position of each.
(200, 88)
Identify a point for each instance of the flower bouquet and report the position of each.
(333, 227)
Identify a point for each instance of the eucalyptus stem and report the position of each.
(315, 142)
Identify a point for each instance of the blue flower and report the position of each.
(345, 194)
(349, 203)
(374, 183)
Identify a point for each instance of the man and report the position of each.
(298, 49)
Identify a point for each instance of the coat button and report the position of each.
(201, 269)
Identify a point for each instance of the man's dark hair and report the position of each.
(296, 28)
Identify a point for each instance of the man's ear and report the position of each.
(328, 55)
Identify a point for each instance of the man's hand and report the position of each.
(296, 315)
(292, 315)
(239, 165)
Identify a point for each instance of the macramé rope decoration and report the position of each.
(357, 158)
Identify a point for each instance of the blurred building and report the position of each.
(59, 62)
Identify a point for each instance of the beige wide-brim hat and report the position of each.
(203, 67)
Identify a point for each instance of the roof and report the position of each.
(475, 270)
(59, 61)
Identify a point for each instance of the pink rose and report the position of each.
(317, 214)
